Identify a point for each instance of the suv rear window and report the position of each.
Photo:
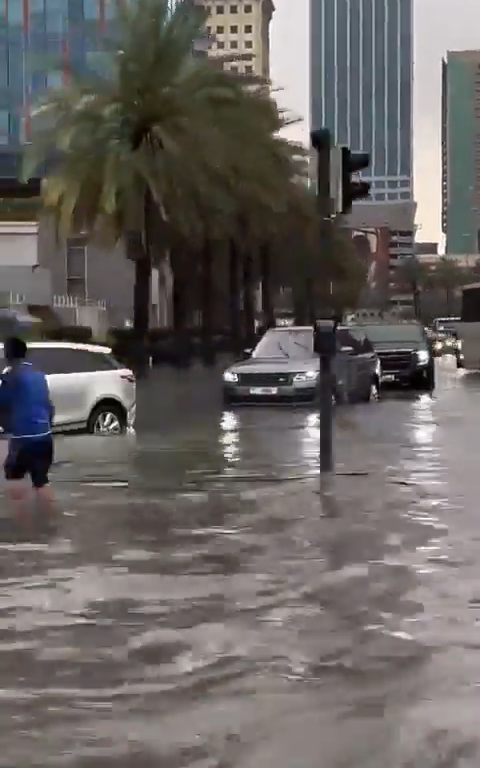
(401, 332)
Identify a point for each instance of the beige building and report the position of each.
(240, 34)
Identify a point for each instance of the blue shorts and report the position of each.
(31, 457)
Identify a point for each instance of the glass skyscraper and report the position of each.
(32, 34)
(362, 82)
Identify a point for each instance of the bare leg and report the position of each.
(46, 502)
(19, 495)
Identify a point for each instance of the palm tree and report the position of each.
(447, 277)
(416, 277)
(139, 142)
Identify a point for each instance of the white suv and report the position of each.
(90, 390)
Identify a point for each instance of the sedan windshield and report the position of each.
(297, 344)
(386, 333)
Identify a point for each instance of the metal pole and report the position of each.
(326, 415)
(325, 331)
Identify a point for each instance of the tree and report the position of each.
(447, 277)
(416, 277)
(139, 144)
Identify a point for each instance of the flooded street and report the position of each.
(199, 608)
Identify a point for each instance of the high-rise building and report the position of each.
(32, 34)
(240, 34)
(461, 151)
(361, 57)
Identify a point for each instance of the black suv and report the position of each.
(405, 352)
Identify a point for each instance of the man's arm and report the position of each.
(5, 391)
(50, 404)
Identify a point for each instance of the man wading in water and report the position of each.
(25, 399)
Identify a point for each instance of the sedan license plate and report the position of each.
(264, 391)
(388, 377)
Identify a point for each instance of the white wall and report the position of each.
(18, 244)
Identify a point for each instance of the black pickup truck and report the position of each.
(405, 352)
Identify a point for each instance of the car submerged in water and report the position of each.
(283, 368)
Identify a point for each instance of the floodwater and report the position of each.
(202, 606)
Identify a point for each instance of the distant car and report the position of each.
(283, 368)
(405, 351)
(90, 390)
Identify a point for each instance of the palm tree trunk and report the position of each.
(416, 302)
(234, 295)
(208, 354)
(299, 309)
(310, 303)
(248, 302)
(265, 272)
(142, 290)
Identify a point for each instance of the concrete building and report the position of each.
(461, 151)
(361, 65)
(240, 34)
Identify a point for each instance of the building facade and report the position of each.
(240, 34)
(461, 151)
(361, 85)
(33, 33)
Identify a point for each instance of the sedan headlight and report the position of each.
(423, 356)
(230, 377)
(306, 376)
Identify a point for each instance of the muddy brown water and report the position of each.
(202, 607)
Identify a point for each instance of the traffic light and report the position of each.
(353, 188)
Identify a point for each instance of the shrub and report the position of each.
(80, 334)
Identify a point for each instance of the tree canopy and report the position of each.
(161, 148)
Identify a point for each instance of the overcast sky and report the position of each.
(439, 25)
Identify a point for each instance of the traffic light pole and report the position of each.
(324, 332)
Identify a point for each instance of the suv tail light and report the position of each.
(128, 376)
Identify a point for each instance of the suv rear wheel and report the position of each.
(107, 418)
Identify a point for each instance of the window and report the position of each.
(249, 69)
(15, 12)
(234, 44)
(285, 344)
(48, 359)
(220, 44)
(4, 119)
(234, 9)
(248, 29)
(52, 360)
(233, 69)
(248, 8)
(220, 9)
(234, 29)
(76, 267)
(209, 30)
(220, 30)
(54, 80)
(248, 44)
(91, 9)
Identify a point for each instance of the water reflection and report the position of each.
(230, 438)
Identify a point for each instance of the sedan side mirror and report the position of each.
(247, 352)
